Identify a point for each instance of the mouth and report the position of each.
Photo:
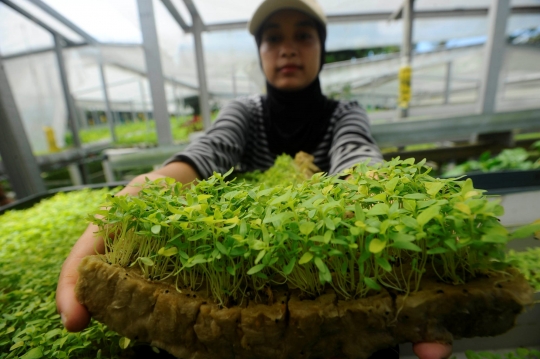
(289, 68)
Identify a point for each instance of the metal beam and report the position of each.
(108, 112)
(18, 160)
(448, 82)
(176, 15)
(204, 98)
(70, 107)
(410, 132)
(155, 72)
(380, 16)
(493, 55)
(65, 21)
(36, 21)
(407, 9)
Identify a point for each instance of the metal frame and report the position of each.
(155, 72)
(494, 55)
(17, 157)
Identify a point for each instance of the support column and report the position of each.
(155, 73)
(204, 99)
(70, 106)
(405, 72)
(494, 51)
(108, 112)
(17, 158)
(448, 82)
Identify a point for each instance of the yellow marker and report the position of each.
(51, 139)
(404, 77)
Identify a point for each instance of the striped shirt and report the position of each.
(238, 139)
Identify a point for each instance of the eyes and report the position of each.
(276, 37)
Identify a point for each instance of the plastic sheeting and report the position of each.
(230, 56)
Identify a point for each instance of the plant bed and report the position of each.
(322, 267)
(188, 324)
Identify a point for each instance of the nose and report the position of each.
(288, 48)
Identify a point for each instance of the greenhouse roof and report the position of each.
(365, 22)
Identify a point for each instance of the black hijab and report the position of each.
(297, 120)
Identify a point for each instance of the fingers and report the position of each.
(432, 350)
(74, 316)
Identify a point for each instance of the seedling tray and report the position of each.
(507, 181)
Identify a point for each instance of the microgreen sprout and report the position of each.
(368, 228)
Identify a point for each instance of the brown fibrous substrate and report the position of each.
(189, 324)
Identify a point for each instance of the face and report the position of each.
(290, 50)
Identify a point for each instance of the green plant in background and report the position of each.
(33, 245)
(528, 262)
(520, 353)
(354, 235)
(508, 159)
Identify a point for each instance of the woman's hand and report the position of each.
(74, 316)
(432, 350)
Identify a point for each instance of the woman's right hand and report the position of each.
(74, 315)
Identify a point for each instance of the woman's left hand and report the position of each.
(432, 350)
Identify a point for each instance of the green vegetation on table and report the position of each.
(528, 262)
(520, 353)
(33, 246)
(354, 235)
(509, 159)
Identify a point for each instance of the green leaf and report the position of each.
(260, 256)
(255, 269)
(306, 228)
(432, 188)
(167, 252)
(305, 258)
(383, 263)
(289, 267)
(221, 248)
(124, 342)
(406, 245)
(391, 185)
(17, 345)
(147, 261)
(525, 231)
(376, 245)
(156, 229)
(398, 236)
(427, 215)
(329, 223)
(231, 270)
(35, 353)
(418, 196)
(320, 265)
(199, 235)
(371, 283)
(379, 209)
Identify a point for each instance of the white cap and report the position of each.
(268, 7)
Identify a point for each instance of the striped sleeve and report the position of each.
(352, 141)
(221, 148)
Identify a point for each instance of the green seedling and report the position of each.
(33, 245)
(360, 231)
(528, 262)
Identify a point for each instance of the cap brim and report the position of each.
(267, 8)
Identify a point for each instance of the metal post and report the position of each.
(234, 81)
(448, 82)
(155, 73)
(204, 99)
(108, 112)
(406, 49)
(132, 107)
(71, 115)
(493, 55)
(19, 162)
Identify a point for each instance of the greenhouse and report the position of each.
(405, 207)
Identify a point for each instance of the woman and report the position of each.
(251, 132)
